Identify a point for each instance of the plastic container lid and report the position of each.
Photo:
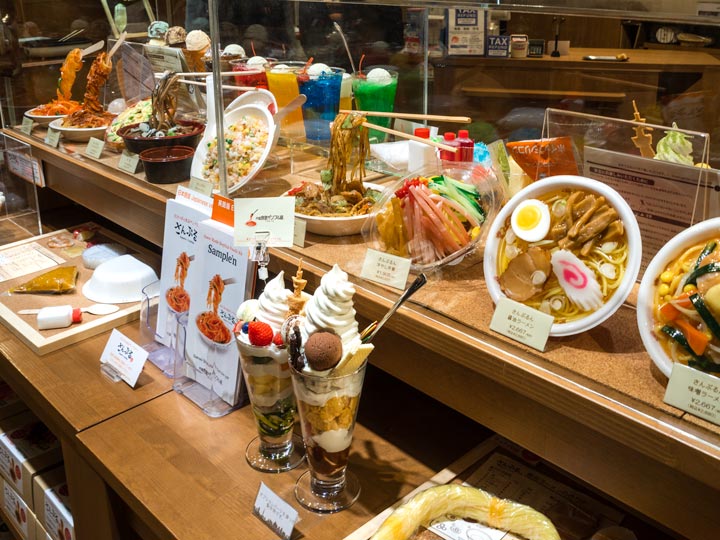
(463, 134)
(449, 136)
(76, 315)
(422, 132)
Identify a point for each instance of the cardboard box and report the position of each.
(51, 499)
(27, 447)
(466, 31)
(41, 533)
(10, 403)
(18, 512)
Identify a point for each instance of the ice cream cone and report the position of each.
(195, 59)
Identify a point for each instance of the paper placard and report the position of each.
(95, 147)
(52, 138)
(27, 125)
(695, 392)
(271, 218)
(26, 167)
(129, 162)
(300, 232)
(201, 186)
(521, 323)
(278, 515)
(125, 356)
(387, 269)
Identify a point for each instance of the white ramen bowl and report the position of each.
(698, 233)
(556, 183)
(119, 280)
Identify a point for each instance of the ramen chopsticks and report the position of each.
(404, 135)
(412, 116)
(224, 86)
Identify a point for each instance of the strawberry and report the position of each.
(260, 334)
(278, 340)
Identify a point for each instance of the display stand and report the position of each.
(163, 356)
(20, 174)
(662, 172)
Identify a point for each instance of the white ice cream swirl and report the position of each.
(273, 303)
(331, 308)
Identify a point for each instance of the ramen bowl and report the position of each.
(136, 143)
(589, 318)
(670, 252)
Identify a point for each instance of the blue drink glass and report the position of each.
(322, 105)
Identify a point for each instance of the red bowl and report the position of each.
(135, 143)
(167, 164)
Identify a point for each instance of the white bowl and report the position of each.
(259, 97)
(78, 134)
(263, 114)
(338, 226)
(40, 119)
(119, 280)
(632, 231)
(705, 230)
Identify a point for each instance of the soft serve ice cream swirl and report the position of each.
(273, 303)
(331, 308)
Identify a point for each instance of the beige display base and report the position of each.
(45, 341)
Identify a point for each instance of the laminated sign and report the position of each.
(466, 31)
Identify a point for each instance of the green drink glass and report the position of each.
(374, 90)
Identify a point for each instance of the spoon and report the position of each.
(293, 104)
(93, 48)
(368, 334)
(94, 309)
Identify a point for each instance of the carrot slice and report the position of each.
(696, 339)
(669, 312)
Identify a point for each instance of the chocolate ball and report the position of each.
(323, 350)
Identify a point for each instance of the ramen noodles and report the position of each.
(686, 307)
(564, 253)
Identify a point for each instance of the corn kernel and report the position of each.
(664, 289)
(666, 277)
(689, 288)
(667, 298)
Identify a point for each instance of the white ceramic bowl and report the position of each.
(259, 97)
(40, 119)
(119, 280)
(338, 226)
(632, 231)
(696, 234)
(78, 134)
(261, 113)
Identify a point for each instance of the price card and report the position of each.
(124, 356)
(300, 231)
(271, 217)
(200, 186)
(52, 138)
(695, 392)
(275, 512)
(95, 147)
(129, 162)
(521, 323)
(27, 125)
(387, 269)
(26, 167)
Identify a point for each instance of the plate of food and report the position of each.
(42, 119)
(77, 134)
(63, 104)
(678, 306)
(435, 219)
(250, 134)
(568, 246)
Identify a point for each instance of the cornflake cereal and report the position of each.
(245, 142)
(337, 413)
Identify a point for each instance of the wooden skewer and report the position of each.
(117, 45)
(411, 137)
(411, 116)
(222, 73)
(224, 86)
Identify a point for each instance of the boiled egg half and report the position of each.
(530, 221)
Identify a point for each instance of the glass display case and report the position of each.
(592, 404)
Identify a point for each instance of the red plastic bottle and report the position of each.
(447, 155)
(467, 146)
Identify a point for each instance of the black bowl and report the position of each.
(167, 164)
(135, 143)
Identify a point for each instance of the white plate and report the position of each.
(263, 114)
(555, 183)
(705, 230)
(78, 134)
(338, 226)
(41, 119)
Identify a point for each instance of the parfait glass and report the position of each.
(328, 408)
(267, 379)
